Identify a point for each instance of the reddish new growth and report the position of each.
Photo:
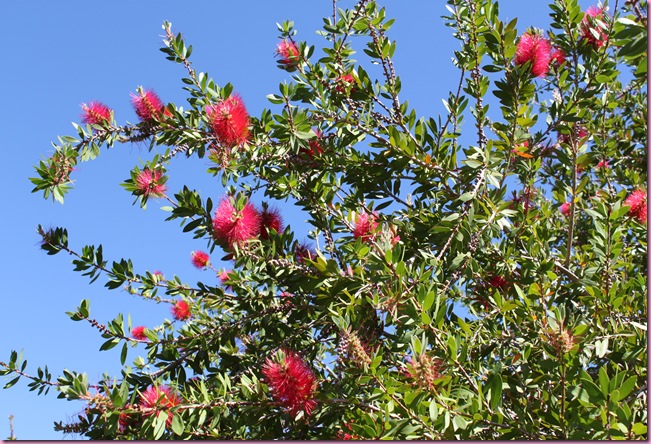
(232, 227)
(229, 121)
(365, 226)
(157, 400)
(565, 209)
(270, 219)
(603, 164)
(150, 183)
(139, 333)
(594, 32)
(95, 113)
(148, 105)
(292, 383)
(535, 49)
(181, 311)
(288, 53)
(637, 202)
(200, 259)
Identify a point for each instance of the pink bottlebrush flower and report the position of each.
(270, 219)
(232, 227)
(637, 203)
(558, 57)
(565, 209)
(148, 105)
(200, 259)
(229, 121)
(603, 164)
(150, 183)
(159, 275)
(588, 30)
(292, 383)
(157, 400)
(181, 311)
(304, 251)
(95, 113)
(224, 277)
(139, 333)
(365, 226)
(536, 49)
(288, 53)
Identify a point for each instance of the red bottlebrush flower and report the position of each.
(148, 105)
(292, 383)
(139, 333)
(95, 113)
(498, 281)
(150, 183)
(270, 219)
(314, 146)
(304, 251)
(343, 82)
(156, 399)
(200, 259)
(365, 226)
(181, 311)
(603, 164)
(536, 49)
(637, 203)
(558, 57)
(594, 34)
(565, 209)
(229, 121)
(233, 227)
(288, 53)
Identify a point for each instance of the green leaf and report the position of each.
(177, 424)
(496, 391)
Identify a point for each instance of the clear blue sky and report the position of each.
(57, 55)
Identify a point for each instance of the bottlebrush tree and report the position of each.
(528, 216)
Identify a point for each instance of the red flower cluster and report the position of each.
(565, 209)
(95, 113)
(200, 259)
(139, 333)
(637, 202)
(558, 57)
(578, 133)
(292, 383)
(304, 251)
(594, 34)
(365, 226)
(229, 121)
(288, 53)
(159, 398)
(603, 164)
(535, 49)
(181, 311)
(149, 183)
(224, 276)
(148, 105)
